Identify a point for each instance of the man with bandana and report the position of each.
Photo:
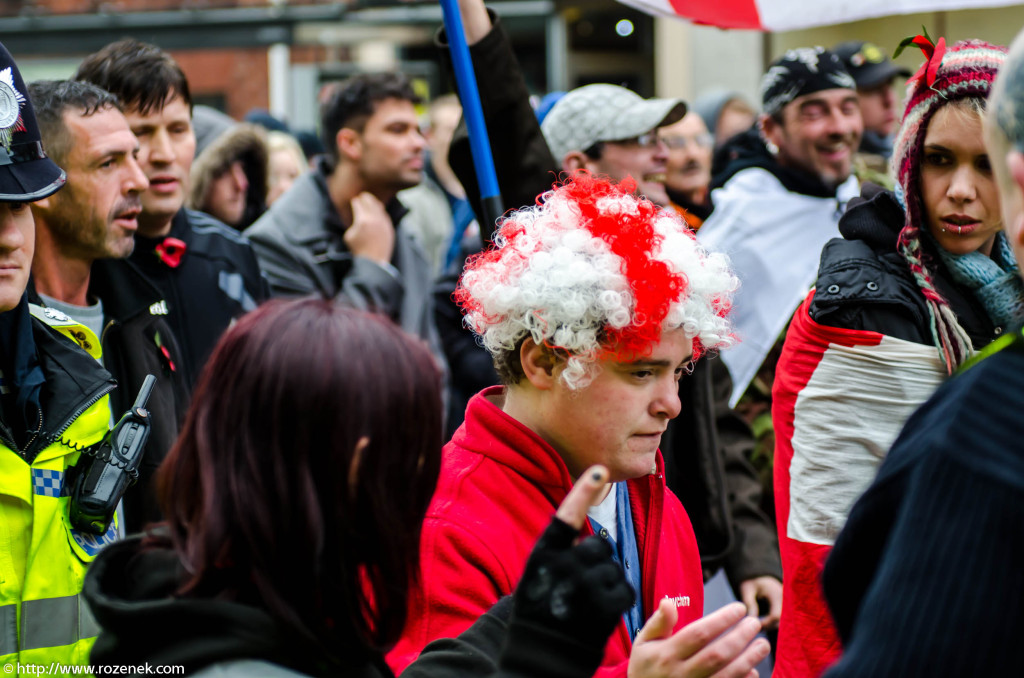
(780, 197)
(777, 202)
(54, 404)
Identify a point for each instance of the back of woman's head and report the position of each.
(962, 76)
(304, 469)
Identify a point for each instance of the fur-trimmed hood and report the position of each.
(245, 142)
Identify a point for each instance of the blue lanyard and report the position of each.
(626, 554)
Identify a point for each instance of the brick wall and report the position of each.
(239, 75)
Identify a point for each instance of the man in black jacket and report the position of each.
(84, 235)
(206, 271)
(705, 451)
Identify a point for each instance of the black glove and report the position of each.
(576, 591)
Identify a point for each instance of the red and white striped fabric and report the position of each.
(788, 15)
(839, 401)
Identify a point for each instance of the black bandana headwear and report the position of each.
(801, 71)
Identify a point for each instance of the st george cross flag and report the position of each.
(788, 15)
(841, 397)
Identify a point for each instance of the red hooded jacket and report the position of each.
(500, 484)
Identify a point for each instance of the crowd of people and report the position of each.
(727, 389)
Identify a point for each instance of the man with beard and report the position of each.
(338, 230)
(780, 197)
(84, 235)
(206, 271)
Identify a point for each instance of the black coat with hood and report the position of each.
(216, 280)
(132, 592)
(707, 447)
(136, 341)
(864, 283)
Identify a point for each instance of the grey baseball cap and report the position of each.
(594, 113)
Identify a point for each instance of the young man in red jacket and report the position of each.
(593, 306)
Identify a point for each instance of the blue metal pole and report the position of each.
(472, 111)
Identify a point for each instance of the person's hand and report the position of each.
(371, 235)
(763, 588)
(578, 591)
(717, 645)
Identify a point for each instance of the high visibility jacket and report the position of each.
(43, 617)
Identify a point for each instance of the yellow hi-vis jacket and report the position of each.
(43, 617)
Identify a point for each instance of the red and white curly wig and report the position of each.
(594, 272)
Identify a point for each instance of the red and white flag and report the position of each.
(788, 15)
(840, 399)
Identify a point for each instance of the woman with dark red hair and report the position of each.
(294, 501)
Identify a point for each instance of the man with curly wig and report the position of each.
(594, 305)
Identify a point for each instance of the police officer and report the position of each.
(53, 404)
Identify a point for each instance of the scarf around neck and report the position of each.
(995, 281)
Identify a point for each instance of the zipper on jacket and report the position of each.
(35, 435)
(7, 438)
(95, 398)
(103, 332)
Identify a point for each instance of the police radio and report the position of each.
(112, 467)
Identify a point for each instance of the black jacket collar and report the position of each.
(702, 212)
(72, 381)
(747, 150)
(394, 207)
(122, 288)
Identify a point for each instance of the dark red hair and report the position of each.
(268, 502)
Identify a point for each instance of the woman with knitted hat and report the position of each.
(922, 278)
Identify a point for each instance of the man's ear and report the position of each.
(1015, 164)
(771, 130)
(575, 160)
(1015, 161)
(350, 143)
(540, 364)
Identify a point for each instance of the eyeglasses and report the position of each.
(649, 140)
(699, 141)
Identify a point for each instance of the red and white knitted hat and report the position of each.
(965, 70)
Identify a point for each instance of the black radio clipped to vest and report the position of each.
(111, 467)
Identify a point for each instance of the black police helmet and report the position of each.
(26, 174)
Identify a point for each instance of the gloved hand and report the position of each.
(570, 598)
(578, 591)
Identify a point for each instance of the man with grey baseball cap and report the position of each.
(611, 130)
